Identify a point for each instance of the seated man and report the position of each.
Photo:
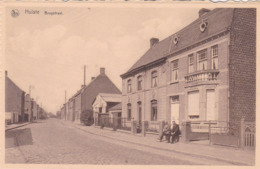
(175, 132)
(166, 132)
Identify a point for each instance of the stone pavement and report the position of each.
(221, 153)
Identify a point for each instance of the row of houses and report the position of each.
(204, 72)
(82, 101)
(19, 106)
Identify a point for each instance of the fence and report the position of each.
(236, 134)
(115, 123)
(225, 133)
(248, 134)
(153, 127)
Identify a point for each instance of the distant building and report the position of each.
(99, 84)
(104, 102)
(28, 108)
(14, 101)
(77, 104)
(205, 71)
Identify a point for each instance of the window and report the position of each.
(139, 82)
(191, 63)
(154, 79)
(129, 112)
(175, 70)
(154, 110)
(214, 57)
(100, 110)
(193, 105)
(129, 86)
(202, 60)
(139, 105)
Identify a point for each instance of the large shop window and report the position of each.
(191, 63)
(193, 105)
(202, 59)
(154, 110)
(175, 70)
(154, 79)
(129, 86)
(139, 82)
(129, 112)
(214, 57)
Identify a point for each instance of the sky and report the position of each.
(49, 52)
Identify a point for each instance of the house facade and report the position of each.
(14, 101)
(99, 84)
(206, 71)
(103, 103)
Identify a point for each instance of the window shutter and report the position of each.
(193, 103)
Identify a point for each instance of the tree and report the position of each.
(86, 117)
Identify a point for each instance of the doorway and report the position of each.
(175, 104)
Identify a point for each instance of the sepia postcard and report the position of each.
(138, 84)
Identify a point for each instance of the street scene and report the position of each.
(95, 86)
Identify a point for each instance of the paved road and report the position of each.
(52, 142)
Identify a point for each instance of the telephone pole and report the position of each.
(84, 75)
(65, 109)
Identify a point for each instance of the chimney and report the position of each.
(102, 71)
(203, 11)
(153, 41)
(92, 78)
(6, 73)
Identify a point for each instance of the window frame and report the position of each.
(175, 70)
(214, 49)
(129, 85)
(201, 61)
(154, 115)
(140, 82)
(191, 56)
(129, 111)
(154, 76)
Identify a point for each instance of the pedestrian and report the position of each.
(166, 132)
(175, 132)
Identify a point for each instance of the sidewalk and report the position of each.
(13, 126)
(201, 149)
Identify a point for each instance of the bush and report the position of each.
(86, 117)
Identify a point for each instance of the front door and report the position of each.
(175, 109)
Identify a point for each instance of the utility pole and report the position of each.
(84, 75)
(65, 106)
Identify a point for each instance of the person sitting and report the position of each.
(166, 132)
(175, 132)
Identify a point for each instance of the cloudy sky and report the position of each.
(49, 52)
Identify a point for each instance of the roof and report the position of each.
(218, 20)
(116, 107)
(101, 84)
(108, 97)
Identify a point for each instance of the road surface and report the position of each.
(52, 142)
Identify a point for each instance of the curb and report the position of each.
(176, 151)
(17, 126)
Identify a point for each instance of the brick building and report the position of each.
(14, 101)
(205, 71)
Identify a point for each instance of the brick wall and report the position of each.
(242, 74)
